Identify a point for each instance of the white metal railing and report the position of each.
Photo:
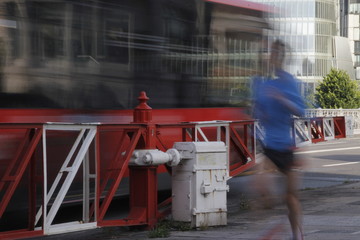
(302, 131)
(77, 156)
(352, 117)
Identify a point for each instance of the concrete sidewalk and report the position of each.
(330, 213)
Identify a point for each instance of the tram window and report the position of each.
(52, 41)
(178, 22)
(10, 9)
(47, 38)
(117, 38)
(82, 31)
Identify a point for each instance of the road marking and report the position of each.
(332, 179)
(354, 233)
(339, 164)
(351, 138)
(327, 150)
(329, 143)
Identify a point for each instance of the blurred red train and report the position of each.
(87, 61)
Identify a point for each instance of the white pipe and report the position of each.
(147, 157)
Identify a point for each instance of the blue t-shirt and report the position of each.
(275, 116)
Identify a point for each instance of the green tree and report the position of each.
(337, 90)
(310, 101)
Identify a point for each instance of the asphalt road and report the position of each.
(331, 162)
(325, 164)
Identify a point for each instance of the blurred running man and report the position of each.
(277, 100)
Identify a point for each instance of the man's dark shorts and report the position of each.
(283, 160)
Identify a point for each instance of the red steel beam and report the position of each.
(15, 161)
(122, 168)
(241, 145)
(24, 155)
(22, 233)
(340, 129)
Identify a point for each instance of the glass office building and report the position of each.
(354, 33)
(309, 28)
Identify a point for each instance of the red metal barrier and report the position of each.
(340, 128)
(116, 138)
(143, 197)
(17, 165)
(243, 146)
(242, 142)
(143, 180)
(29, 137)
(317, 130)
(115, 169)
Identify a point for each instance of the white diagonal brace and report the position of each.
(70, 177)
(62, 169)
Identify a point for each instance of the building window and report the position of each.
(357, 61)
(354, 8)
(357, 47)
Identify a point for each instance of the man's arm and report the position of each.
(295, 106)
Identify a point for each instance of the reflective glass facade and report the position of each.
(308, 27)
(353, 31)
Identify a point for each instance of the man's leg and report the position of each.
(264, 182)
(293, 203)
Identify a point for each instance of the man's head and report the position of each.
(277, 54)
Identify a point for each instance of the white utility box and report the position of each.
(199, 184)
